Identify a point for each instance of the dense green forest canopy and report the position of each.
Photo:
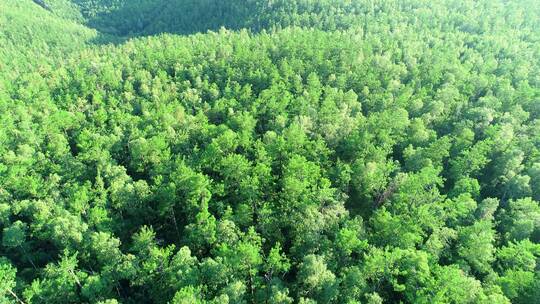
(269, 151)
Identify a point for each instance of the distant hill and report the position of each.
(33, 36)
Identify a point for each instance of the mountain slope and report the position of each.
(32, 36)
(148, 17)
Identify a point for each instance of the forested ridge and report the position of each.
(269, 151)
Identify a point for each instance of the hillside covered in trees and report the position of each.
(269, 151)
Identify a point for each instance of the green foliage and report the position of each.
(316, 282)
(293, 151)
(7, 281)
(32, 38)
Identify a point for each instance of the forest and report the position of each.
(269, 151)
